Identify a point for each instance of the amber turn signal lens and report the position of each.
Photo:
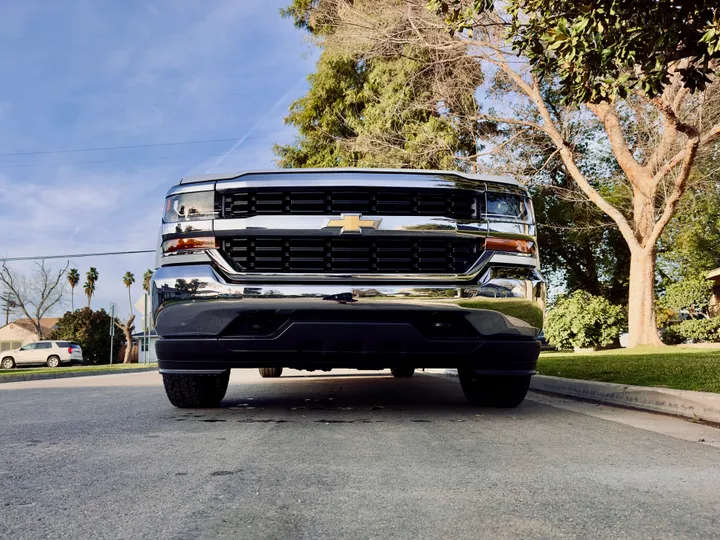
(177, 245)
(507, 244)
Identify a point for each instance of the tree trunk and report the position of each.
(128, 329)
(128, 348)
(641, 305)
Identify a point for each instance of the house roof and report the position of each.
(713, 273)
(47, 324)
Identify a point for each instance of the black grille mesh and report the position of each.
(385, 255)
(456, 204)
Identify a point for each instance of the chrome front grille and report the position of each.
(451, 203)
(351, 254)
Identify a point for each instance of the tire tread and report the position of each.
(500, 391)
(196, 391)
(270, 372)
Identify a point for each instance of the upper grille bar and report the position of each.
(452, 203)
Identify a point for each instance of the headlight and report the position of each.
(510, 244)
(190, 207)
(500, 205)
(188, 245)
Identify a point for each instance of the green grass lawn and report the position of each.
(683, 368)
(73, 369)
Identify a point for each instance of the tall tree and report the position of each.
(147, 277)
(646, 71)
(128, 280)
(89, 289)
(35, 294)
(73, 278)
(91, 278)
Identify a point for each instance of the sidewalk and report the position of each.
(65, 373)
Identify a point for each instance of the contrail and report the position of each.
(259, 122)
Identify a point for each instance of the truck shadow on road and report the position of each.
(364, 398)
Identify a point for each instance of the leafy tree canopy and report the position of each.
(605, 50)
(400, 108)
(690, 246)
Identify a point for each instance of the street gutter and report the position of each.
(690, 404)
(70, 374)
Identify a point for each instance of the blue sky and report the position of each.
(84, 74)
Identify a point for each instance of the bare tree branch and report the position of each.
(39, 293)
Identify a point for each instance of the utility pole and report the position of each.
(8, 305)
(112, 330)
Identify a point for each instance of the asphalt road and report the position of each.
(347, 455)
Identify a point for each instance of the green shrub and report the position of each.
(583, 320)
(691, 295)
(91, 329)
(700, 330)
(671, 336)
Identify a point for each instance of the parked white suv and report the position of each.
(50, 353)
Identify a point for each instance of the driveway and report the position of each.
(343, 455)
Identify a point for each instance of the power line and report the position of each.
(147, 158)
(117, 160)
(101, 148)
(76, 255)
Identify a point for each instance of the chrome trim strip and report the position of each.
(191, 188)
(520, 259)
(169, 259)
(316, 225)
(390, 182)
(184, 227)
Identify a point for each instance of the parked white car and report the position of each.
(50, 353)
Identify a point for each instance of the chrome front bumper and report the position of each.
(519, 293)
(207, 323)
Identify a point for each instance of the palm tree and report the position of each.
(147, 276)
(73, 278)
(89, 290)
(128, 327)
(129, 279)
(92, 277)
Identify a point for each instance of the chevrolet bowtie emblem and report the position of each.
(352, 223)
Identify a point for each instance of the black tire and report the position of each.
(196, 391)
(8, 362)
(270, 372)
(502, 391)
(402, 372)
(53, 361)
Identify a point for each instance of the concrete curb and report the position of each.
(700, 405)
(68, 375)
(687, 403)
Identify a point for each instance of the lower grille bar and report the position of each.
(405, 255)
